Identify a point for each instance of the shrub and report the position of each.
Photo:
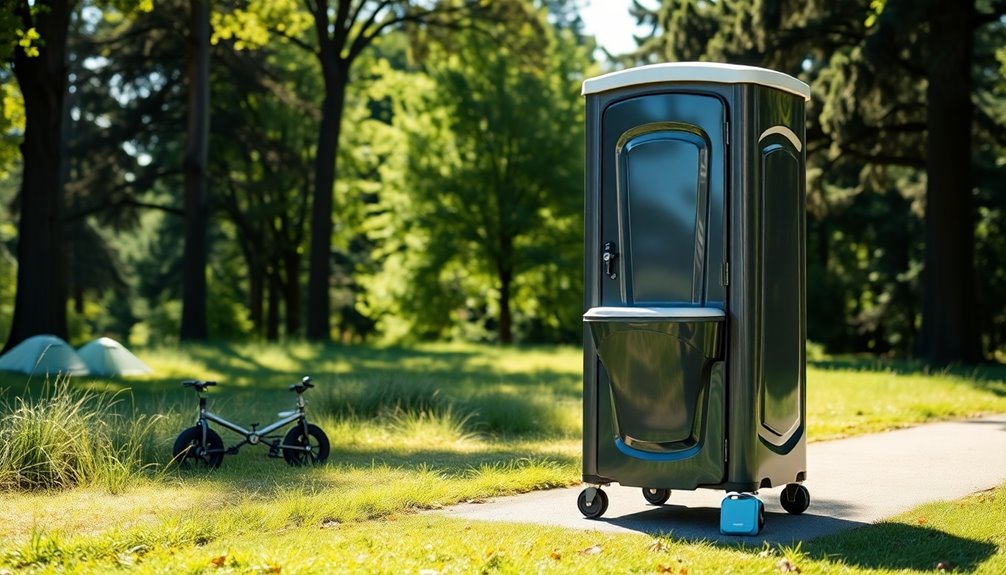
(64, 438)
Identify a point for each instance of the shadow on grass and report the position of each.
(242, 366)
(896, 546)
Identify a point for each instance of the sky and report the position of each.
(609, 21)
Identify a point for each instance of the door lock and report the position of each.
(609, 253)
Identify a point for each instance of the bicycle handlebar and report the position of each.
(304, 384)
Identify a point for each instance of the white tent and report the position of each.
(43, 354)
(107, 357)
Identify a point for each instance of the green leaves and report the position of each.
(492, 194)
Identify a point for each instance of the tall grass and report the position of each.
(65, 438)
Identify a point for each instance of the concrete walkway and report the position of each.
(852, 482)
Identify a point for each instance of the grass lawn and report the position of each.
(420, 428)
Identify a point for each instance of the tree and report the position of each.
(40, 30)
(40, 303)
(342, 31)
(262, 139)
(495, 167)
(949, 317)
(194, 166)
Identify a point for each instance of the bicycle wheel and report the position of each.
(189, 453)
(316, 440)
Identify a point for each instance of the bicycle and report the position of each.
(199, 445)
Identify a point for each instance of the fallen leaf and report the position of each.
(786, 566)
(945, 566)
(657, 545)
(922, 520)
(661, 568)
(767, 553)
(273, 569)
(219, 561)
(555, 555)
(592, 550)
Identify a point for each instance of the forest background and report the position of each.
(404, 170)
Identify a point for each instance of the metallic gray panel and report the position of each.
(758, 455)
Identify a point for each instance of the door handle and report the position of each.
(608, 255)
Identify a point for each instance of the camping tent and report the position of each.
(106, 357)
(43, 354)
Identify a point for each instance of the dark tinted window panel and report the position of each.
(663, 188)
(780, 288)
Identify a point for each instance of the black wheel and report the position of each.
(655, 496)
(189, 453)
(795, 498)
(316, 440)
(761, 516)
(595, 508)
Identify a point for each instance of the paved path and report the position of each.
(852, 482)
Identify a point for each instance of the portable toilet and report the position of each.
(695, 282)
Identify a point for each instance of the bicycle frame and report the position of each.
(253, 436)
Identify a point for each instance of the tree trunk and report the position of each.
(196, 151)
(256, 293)
(291, 292)
(256, 285)
(320, 264)
(40, 303)
(949, 328)
(506, 282)
(272, 315)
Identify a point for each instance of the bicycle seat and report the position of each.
(199, 385)
(303, 386)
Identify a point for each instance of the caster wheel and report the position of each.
(761, 516)
(795, 498)
(592, 505)
(655, 496)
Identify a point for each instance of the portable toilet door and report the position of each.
(690, 265)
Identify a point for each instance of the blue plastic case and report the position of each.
(741, 514)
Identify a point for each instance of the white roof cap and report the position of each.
(696, 72)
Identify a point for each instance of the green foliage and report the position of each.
(8, 275)
(490, 217)
(11, 124)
